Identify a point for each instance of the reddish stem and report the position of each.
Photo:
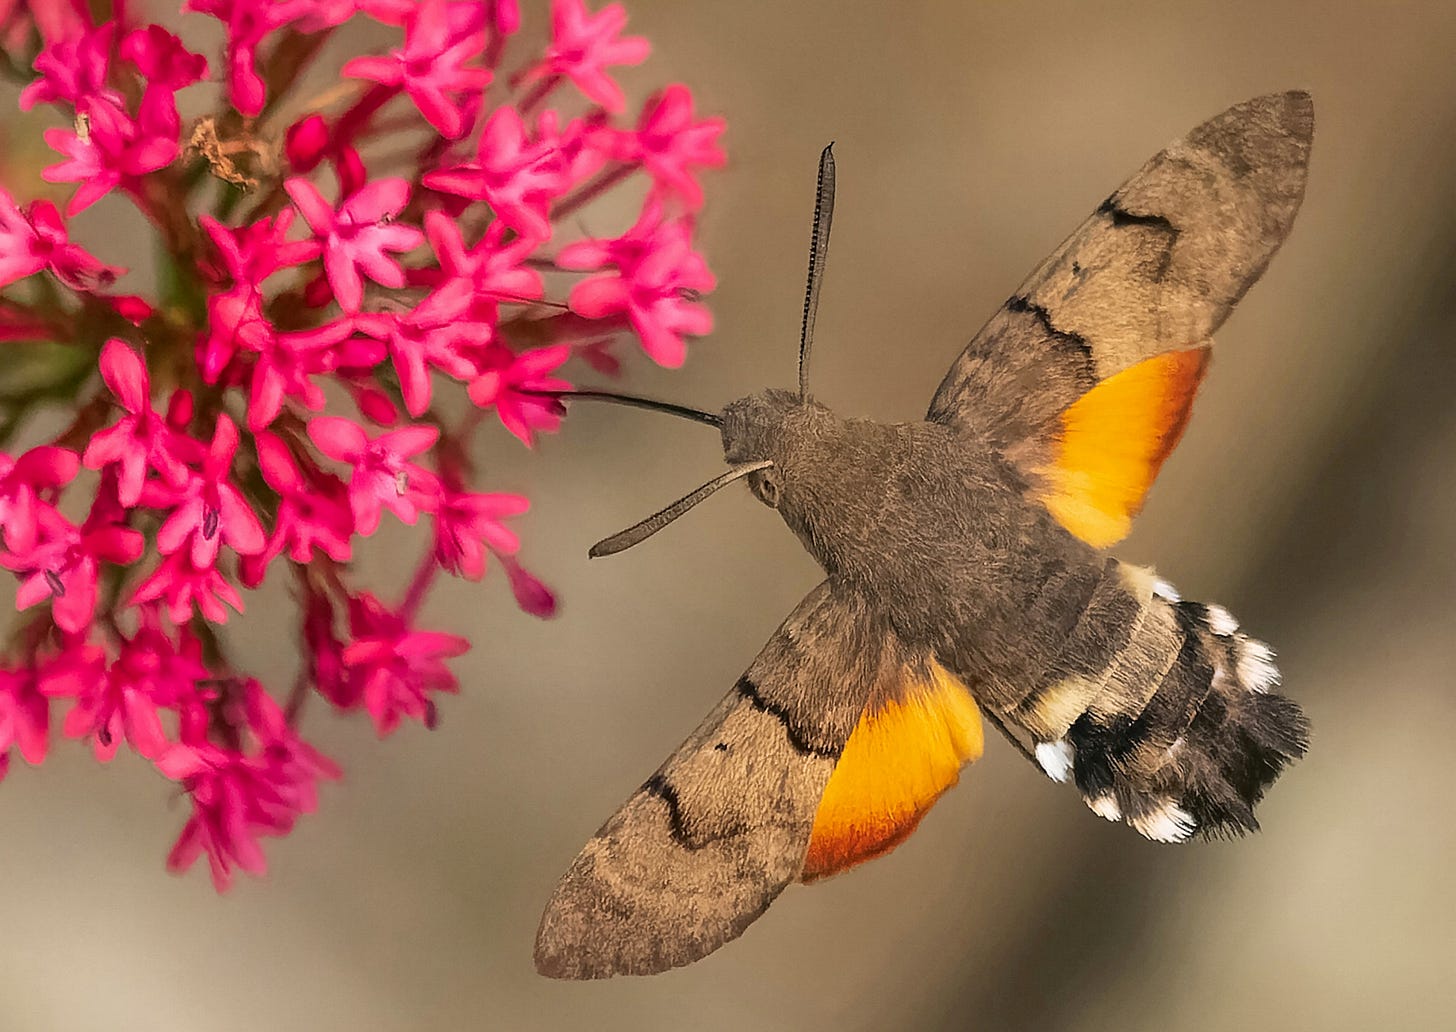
(592, 190)
(420, 584)
(538, 93)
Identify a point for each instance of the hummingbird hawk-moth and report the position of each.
(965, 576)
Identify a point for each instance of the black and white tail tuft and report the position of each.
(1185, 728)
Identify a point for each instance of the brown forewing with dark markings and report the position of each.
(712, 837)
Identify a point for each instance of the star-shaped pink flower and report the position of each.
(141, 439)
(383, 477)
(468, 526)
(25, 483)
(430, 67)
(670, 143)
(209, 510)
(657, 279)
(37, 238)
(583, 47)
(73, 69)
(179, 586)
(429, 336)
(64, 565)
(505, 375)
(397, 667)
(357, 237)
(518, 177)
(313, 514)
(493, 267)
(122, 702)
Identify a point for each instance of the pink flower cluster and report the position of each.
(324, 288)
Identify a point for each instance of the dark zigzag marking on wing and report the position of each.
(658, 786)
(1018, 303)
(1122, 217)
(749, 691)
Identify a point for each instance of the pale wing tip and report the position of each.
(587, 933)
(1288, 114)
(568, 946)
(1294, 111)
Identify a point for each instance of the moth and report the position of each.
(966, 578)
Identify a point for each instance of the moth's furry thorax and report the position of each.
(859, 494)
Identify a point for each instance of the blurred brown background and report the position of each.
(1314, 495)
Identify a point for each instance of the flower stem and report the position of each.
(591, 191)
(420, 584)
(527, 104)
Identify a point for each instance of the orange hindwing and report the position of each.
(903, 754)
(1113, 440)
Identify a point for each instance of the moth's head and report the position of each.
(758, 431)
(762, 428)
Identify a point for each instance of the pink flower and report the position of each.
(382, 475)
(64, 562)
(287, 364)
(73, 70)
(141, 440)
(223, 790)
(162, 59)
(151, 672)
(468, 524)
(431, 335)
(656, 284)
(583, 47)
(248, 23)
(313, 514)
(505, 375)
(493, 267)
(241, 795)
(38, 239)
(669, 144)
(260, 327)
(24, 484)
(180, 585)
(24, 718)
(109, 148)
(430, 67)
(516, 176)
(398, 668)
(210, 510)
(252, 253)
(292, 766)
(357, 236)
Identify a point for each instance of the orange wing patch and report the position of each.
(1113, 441)
(902, 756)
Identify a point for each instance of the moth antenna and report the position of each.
(634, 401)
(818, 256)
(640, 532)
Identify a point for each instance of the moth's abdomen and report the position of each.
(1162, 711)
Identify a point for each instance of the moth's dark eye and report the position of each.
(766, 486)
